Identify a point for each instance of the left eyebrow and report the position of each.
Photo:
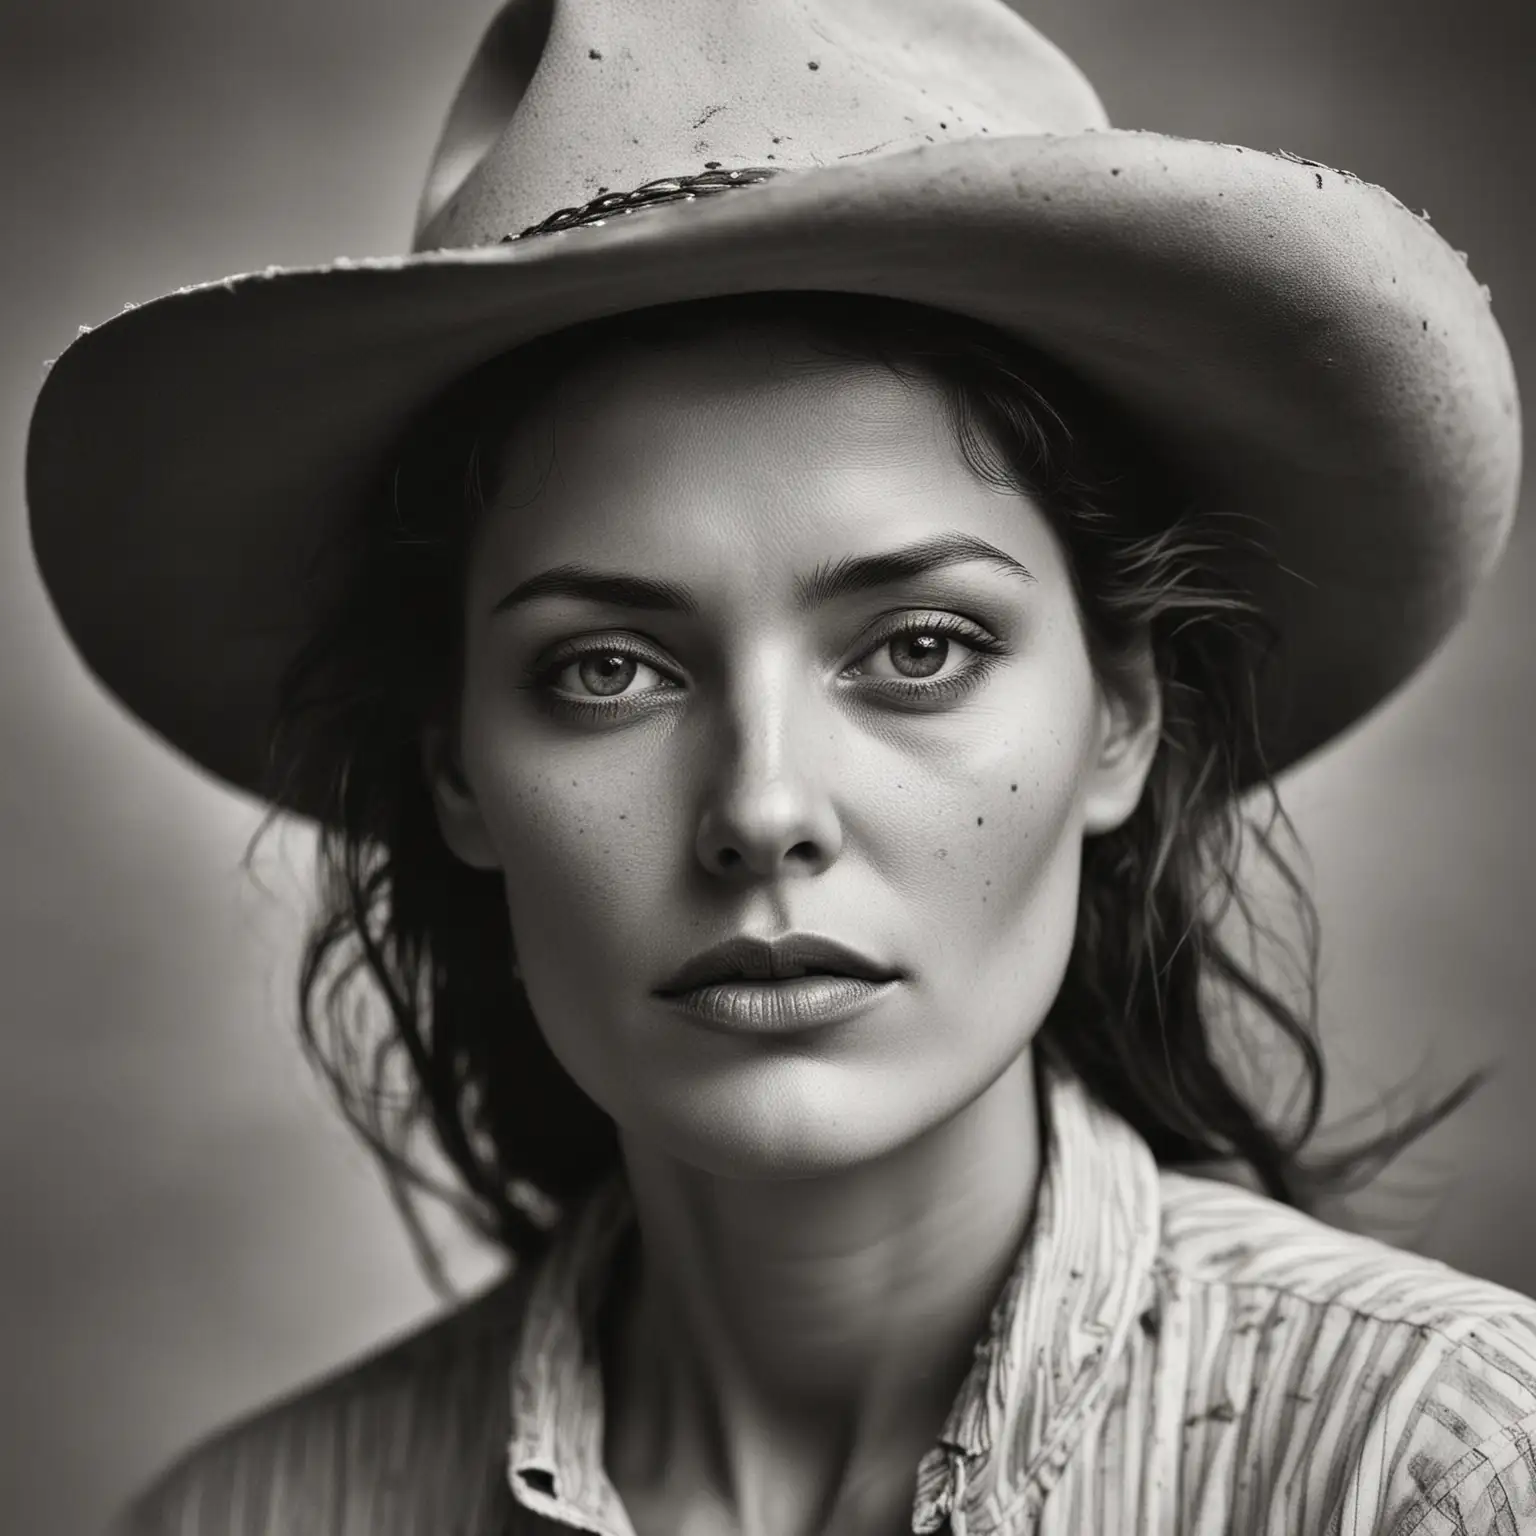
(862, 573)
(828, 582)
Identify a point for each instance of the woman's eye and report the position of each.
(932, 660)
(914, 655)
(607, 674)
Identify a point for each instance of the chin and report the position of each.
(788, 1120)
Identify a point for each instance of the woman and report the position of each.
(777, 679)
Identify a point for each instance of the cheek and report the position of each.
(990, 858)
(586, 844)
(582, 870)
(1027, 848)
(992, 815)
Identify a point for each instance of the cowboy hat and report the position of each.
(1307, 352)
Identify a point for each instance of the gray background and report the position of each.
(186, 1228)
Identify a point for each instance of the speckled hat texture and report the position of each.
(1310, 353)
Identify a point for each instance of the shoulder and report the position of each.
(1399, 1393)
(1222, 1236)
(411, 1436)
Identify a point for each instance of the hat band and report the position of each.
(668, 189)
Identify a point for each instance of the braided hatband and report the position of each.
(669, 189)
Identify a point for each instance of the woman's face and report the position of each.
(751, 651)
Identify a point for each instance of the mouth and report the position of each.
(785, 1006)
(794, 957)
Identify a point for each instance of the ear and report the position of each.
(458, 812)
(1130, 727)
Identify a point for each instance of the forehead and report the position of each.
(748, 450)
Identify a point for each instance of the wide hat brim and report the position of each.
(1310, 354)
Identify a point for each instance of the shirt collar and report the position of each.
(1046, 1356)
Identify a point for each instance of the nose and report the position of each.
(768, 811)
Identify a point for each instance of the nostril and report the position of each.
(732, 858)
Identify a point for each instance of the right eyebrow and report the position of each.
(593, 586)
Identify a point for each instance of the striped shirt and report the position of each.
(1171, 1354)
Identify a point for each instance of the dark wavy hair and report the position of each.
(408, 1001)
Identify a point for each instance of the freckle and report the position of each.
(1014, 788)
(622, 816)
(978, 821)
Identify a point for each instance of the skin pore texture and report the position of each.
(825, 1216)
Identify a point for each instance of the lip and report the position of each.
(780, 1007)
(788, 957)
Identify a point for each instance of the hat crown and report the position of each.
(569, 100)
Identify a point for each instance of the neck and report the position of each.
(798, 1343)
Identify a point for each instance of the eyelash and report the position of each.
(946, 689)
